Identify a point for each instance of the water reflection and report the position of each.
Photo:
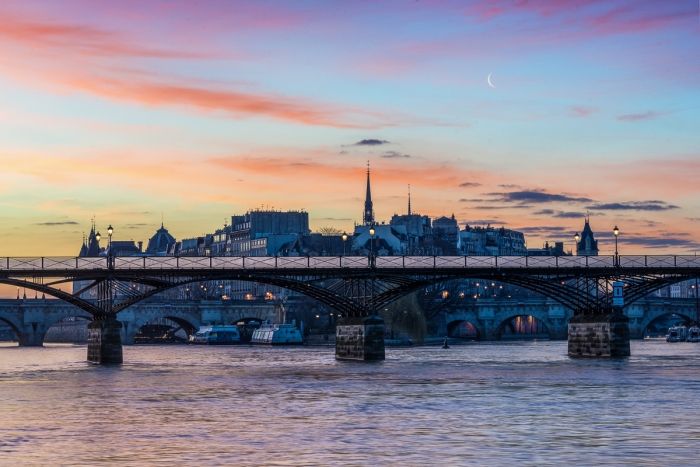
(517, 402)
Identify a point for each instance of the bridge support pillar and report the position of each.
(32, 335)
(601, 336)
(104, 342)
(360, 339)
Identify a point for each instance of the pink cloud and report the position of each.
(79, 39)
(581, 111)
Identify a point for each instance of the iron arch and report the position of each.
(642, 289)
(566, 295)
(325, 296)
(48, 290)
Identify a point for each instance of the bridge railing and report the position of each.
(331, 262)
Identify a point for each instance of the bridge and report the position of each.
(30, 319)
(594, 287)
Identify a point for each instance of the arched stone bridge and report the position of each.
(30, 319)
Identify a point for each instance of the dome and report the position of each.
(160, 243)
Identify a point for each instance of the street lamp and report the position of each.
(345, 239)
(110, 231)
(616, 233)
(371, 245)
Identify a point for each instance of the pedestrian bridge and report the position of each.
(62, 264)
(355, 286)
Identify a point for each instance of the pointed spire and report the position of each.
(368, 215)
(409, 199)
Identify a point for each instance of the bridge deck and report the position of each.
(48, 263)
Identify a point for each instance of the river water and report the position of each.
(522, 403)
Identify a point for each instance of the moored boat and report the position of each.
(277, 334)
(677, 334)
(217, 335)
(694, 334)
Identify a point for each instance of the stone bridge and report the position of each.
(489, 316)
(30, 319)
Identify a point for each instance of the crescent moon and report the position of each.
(488, 80)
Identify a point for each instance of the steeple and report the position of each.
(83, 248)
(368, 215)
(409, 199)
(93, 245)
(587, 244)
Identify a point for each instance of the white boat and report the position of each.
(277, 334)
(218, 334)
(694, 334)
(677, 334)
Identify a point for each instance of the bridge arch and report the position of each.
(562, 294)
(463, 329)
(56, 316)
(132, 323)
(523, 323)
(658, 314)
(53, 292)
(12, 323)
(640, 290)
(55, 323)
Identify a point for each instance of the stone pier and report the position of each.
(599, 336)
(104, 342)
(360, 339)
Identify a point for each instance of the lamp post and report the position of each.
(110, 231)
(372, 265)
(110, 256)
(577, 238)
(345, 239)
(616, 233)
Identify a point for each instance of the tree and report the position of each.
(329, 231)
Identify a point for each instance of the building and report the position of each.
(161, 243)
(587, 245)
(266, 233)
(91, 243)
(490, 241)
(446, 239)
(549, 249)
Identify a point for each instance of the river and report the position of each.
(523, 403)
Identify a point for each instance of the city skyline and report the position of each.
(527, 115)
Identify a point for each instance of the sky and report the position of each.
(134, 112)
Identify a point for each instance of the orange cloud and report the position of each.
(79, 39)
(89, 62)
(228, 101)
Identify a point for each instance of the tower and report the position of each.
(368, 214)
(587, 245)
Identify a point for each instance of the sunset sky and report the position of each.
(132, 110)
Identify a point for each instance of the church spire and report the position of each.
(409, 199)
(368, 215)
